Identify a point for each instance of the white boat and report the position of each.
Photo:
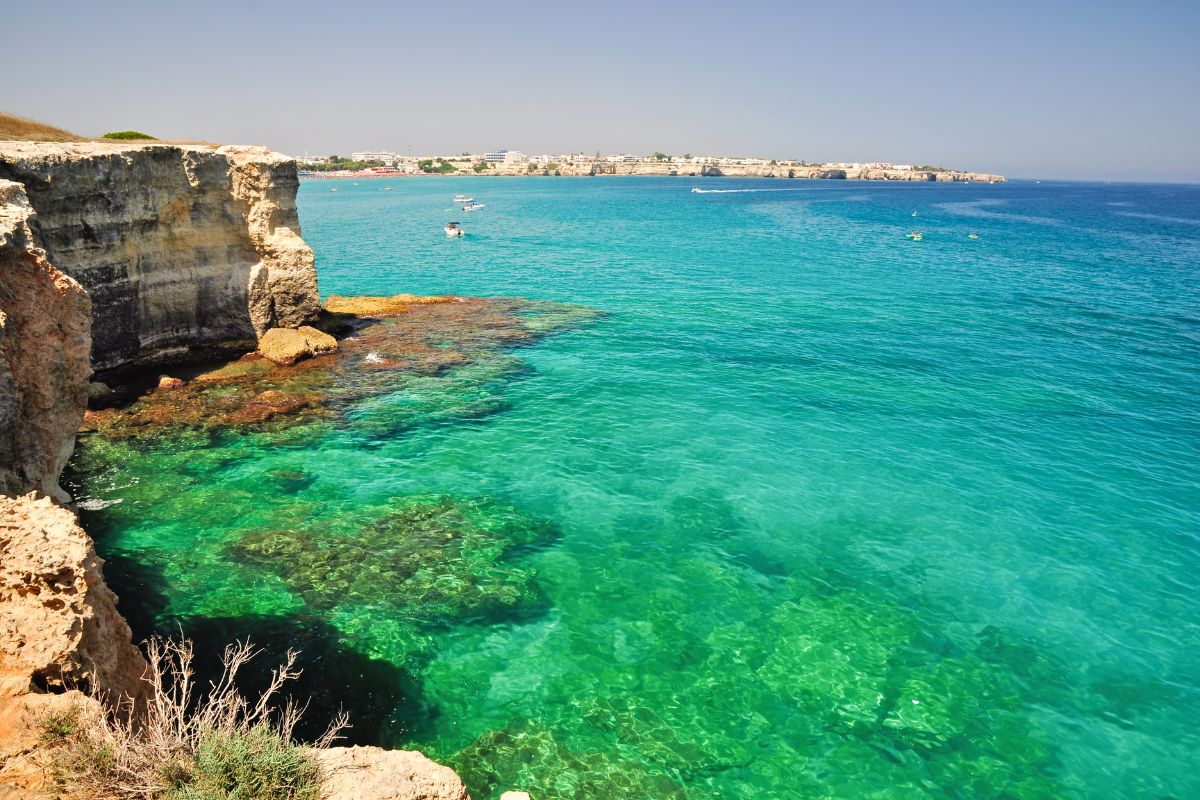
(473, 206)
(462, 198)
(452, 229)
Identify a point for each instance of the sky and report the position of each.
(1053, 89)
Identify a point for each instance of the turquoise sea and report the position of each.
(811, 510)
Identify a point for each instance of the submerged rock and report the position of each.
(432, 557)
(384, 306)
(443, 355)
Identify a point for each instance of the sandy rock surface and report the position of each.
(59, 629)
(286, 346)
(371, 772)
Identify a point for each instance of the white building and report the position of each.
(375, 155)
(504, 156)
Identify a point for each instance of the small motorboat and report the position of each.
(972, 235)
(462, 198)
(916, 236)
(453, 229)
(473, 206)
(914, 213)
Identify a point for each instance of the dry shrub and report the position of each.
(188, 746)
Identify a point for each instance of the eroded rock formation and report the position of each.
(60, 632)
(118, 256)
(44, 341)
(182, 248)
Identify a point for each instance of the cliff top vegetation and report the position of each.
(14, 128)
(21, 129)
(127, 135)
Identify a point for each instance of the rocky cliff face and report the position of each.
(118, 256)
(45, 320)
(60, 632)
(182, 248)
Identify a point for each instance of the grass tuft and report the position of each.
(186, 746)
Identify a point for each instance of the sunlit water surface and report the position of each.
(821, 511)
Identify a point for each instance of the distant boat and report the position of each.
(473, 206)
(334, 189)
(388, 188)
(462, 198)
(972, 235)
(452, 229)
(914, 213)
(916, 236)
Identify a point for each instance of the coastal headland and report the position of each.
(706, 167)
(513, 163)
(119, 261)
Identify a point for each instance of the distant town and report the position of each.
(383, 163)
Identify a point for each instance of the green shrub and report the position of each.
(60, 726)
(218, 746)
(254, 763)
(127, 135)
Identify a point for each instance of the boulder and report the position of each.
(286, 346)
(352, 773)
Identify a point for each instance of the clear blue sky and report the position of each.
(1102, 90)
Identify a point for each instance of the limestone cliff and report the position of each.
(45, 318)
(59, 632)
(117, 255)
(182, 248)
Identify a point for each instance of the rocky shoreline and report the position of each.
(116, 258)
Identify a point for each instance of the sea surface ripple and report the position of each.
(835, 513)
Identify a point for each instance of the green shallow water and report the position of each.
(812, 511)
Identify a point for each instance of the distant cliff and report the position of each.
(732, 169)
(180, 247)
(778, 170)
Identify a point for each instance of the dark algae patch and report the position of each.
(430, 559)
